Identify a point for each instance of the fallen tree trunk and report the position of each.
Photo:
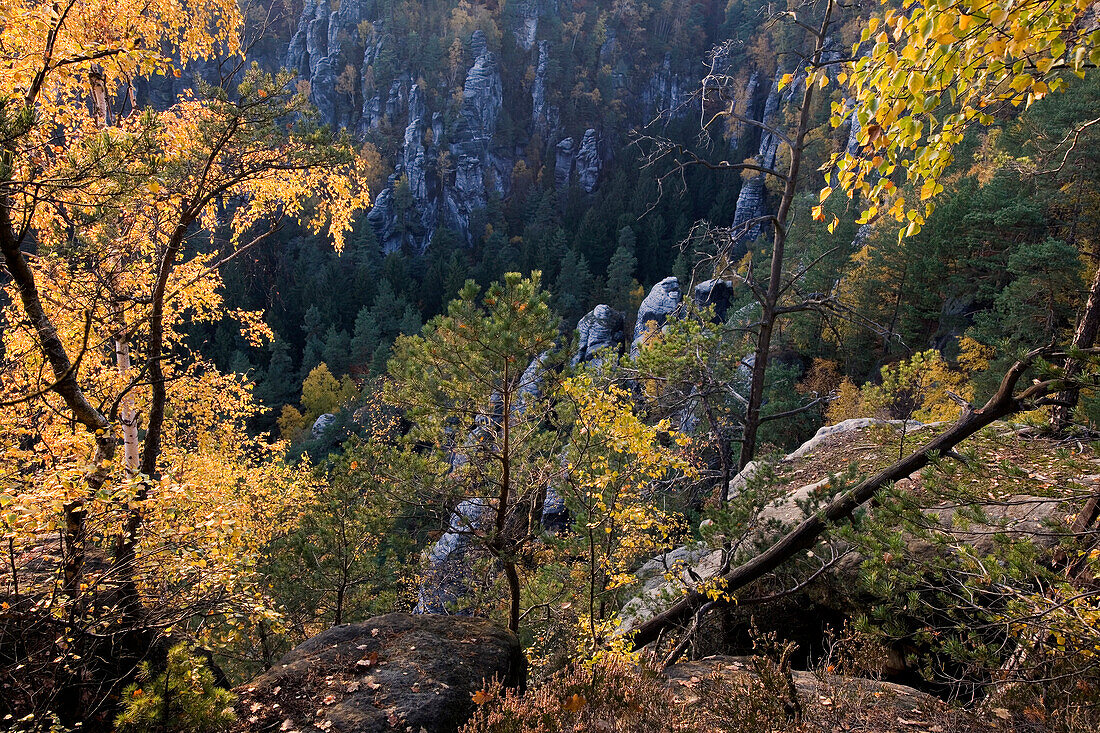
(1002, 404)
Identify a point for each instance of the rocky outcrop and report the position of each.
(544, 117)
(321, 424)
(828, 701)
(391, 673)
(526, 27)
(565, 155)
(601, 333)
(751, 202)
(800, 482)
(445, 563)
(667, 94)
(714, 293)
(314, 52)
(661, 304)
(482, 96)
(361, 77)
(588, 161)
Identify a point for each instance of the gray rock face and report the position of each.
(715, 293)
(314, 52)
(479, 44)
(370, 116)
(445, 562)
(601, 334)
(422, 181)
(667, 95)
(563, 162)
(588, 161)
(321, 424)
(482, 96)
(297, 57)
(544, 116)
(662, 303)
(743, 132)
(751, 204)
(527, 24)
(388, 674)
(383, 219)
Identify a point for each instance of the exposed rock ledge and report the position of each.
(803, 476)
(392, 673)
(841, 703)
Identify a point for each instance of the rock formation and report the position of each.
(563, 162)
(661, 304)
(391, 673)
(751, 204)
(806, 481)
(588, 161)
(446, 563)
(601, 333)
(544, 117)
(321, 424)
(716, 293)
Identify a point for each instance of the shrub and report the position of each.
(182, 699)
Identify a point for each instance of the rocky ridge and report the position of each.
(452, 164)
(391, 673)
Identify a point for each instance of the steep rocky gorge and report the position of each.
(518, 97)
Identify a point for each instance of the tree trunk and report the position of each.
(127, 415)
(1083, 338)
(802, 537)
(770, 304)
(65, 386)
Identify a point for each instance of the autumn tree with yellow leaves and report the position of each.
(132, 502)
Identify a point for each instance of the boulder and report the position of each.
(321, 424)
(601, 330)
(662, 303)
(829, 701)
(392, 673)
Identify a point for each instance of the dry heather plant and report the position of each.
(616, 695)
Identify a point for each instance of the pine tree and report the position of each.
(467, 367)
(574, 287)
(620, 273)
(279, 385)
(337, 349)
(388, 308)
(365, 338)
(313, 352)
(410, 321)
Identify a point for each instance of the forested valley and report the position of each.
(549, 365)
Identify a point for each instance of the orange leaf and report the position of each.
(481, 697)
(575, 703)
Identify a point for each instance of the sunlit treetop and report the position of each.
(50, 50)
(926, 72)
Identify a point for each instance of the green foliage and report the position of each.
(340, 563)
(621, 284)
(181, 699)
(475, 354)
(986, 604)
(479, 415)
